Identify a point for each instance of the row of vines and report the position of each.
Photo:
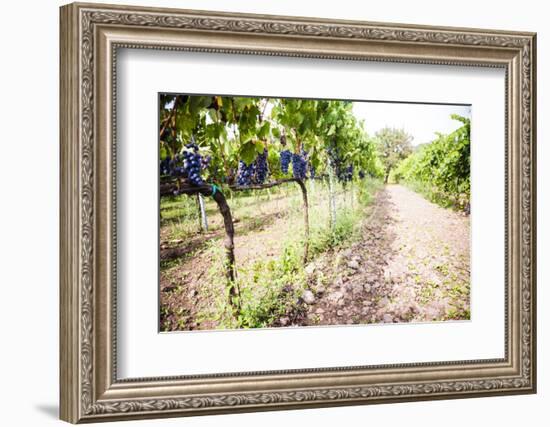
(211, 146)
(441, 169)
(243, 140)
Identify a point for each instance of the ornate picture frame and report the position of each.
(90, 37)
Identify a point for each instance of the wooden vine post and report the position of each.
(202, 210)
(213, 191)
(306, 219)
(332, 199)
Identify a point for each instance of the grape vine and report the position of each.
(286, 157)
(441, 169)
(192, 164)
(245, 174)
(298, 166)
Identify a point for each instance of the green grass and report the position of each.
(270, 287)
(437, 196)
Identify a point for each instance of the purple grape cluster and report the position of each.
(348, 174)
(255, 173)
(166, 166)
(192, 164)
(309, 166)
(261, 167)
(245, 174)
(343, 174)
(361, 174)
(334, 159)
(187, 165)
(299, 164)
(286, 156)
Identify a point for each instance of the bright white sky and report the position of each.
(421, 121)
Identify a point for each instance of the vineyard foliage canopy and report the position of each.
(232, 129)
(441, 169)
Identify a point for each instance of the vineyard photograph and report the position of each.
(288, 212)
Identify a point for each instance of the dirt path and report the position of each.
(412, 264)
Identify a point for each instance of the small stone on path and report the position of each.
(335, 296)
(383, 302)
(387, 318)
(308, 297)
(357, 288)
(353, 264)
(310, 268)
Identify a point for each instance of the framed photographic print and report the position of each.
(267, 212)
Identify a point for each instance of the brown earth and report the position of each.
(186, 302)
(411, 265)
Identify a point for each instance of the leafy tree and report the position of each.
(393, 145)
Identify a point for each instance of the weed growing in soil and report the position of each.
(270, 287)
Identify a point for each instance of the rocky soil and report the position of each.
(412, 264)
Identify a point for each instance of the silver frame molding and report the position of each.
(90, 37)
